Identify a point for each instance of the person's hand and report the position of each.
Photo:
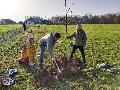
(83, 47)
(67, 37)
(53, 59)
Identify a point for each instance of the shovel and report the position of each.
(57, 66)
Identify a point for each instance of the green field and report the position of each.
(4, 28)
(105, 39)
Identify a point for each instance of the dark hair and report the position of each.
(57, 35)
(79, 24)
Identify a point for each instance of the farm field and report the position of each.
(4, 28)
(104, 39)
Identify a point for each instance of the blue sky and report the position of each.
(18, 9)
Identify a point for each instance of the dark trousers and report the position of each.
(81, 50)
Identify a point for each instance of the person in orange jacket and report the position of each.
(24, 54)
(28, 50)
(31, 48)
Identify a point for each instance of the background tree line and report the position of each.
(88, 19)
(71, 19)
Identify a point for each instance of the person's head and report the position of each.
(31, 39)
(78, 28)
(56, 35)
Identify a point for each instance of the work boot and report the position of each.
(40, 66)
(84, 63)
(31, 64)
(65, 64)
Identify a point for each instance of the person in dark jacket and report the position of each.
(80, 41)
(24, 26)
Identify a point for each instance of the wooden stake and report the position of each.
(66, 18)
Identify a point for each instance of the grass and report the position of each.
(4, 28)
(106, 42)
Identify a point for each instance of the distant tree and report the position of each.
(118, 19)
(20, 22)
(94, 20)
(7, 21)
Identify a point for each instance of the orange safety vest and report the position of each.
(31, 51)
(24, 55)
